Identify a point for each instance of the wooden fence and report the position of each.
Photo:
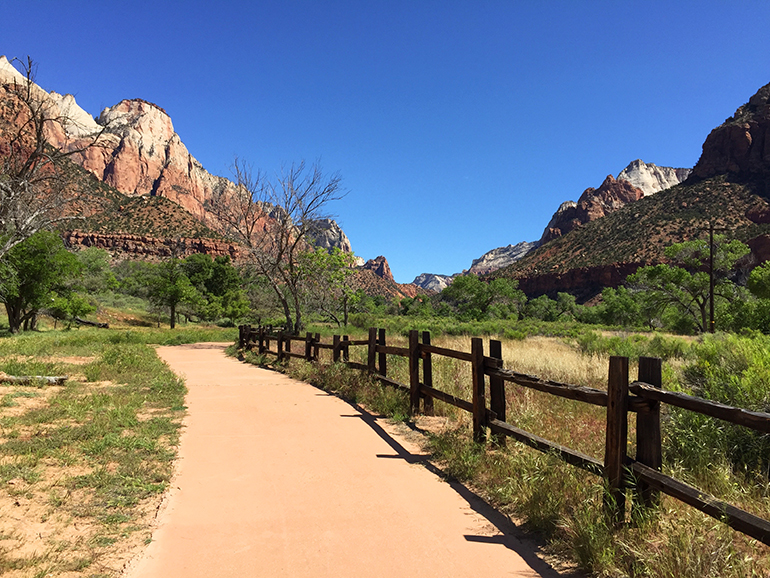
(620, 471)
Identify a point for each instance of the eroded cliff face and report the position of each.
(592, 204)
(120, 245)
(433, 282)
(327, 234)
(651, 178)
(500, 257)
(582, 282)
(140, 154)
(740, 145)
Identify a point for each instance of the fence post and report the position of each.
(617, 438)
(479, 397)
(316, 349)
(648, 440)
(308, 347)
(414, 371)
(427, 375)
(372, 351)
(497, 391)
(335, 348)
(279, 346)
(346, 348)
(241, 329)
(383, 357)
(287, 343)
(261, 340)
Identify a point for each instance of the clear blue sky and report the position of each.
(457, 127)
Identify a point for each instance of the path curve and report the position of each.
(278, 478)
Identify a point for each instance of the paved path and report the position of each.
(277, 478)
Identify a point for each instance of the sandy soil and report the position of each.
(277, 478)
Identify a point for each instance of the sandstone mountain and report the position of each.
(593, 204)
(500, 257)
(652, 178)
(729, 187)
(139, 155)
(741, 145)
(637, 180)
(433, 282)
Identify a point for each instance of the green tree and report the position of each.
(686, 287)
(169, 287)
(472, 298)
(33, 270)
(96, 276)
(621, 307)
(759, 281)
(134, 277)
(219, 284)
(327, 285)
(69, 307)
(547, 309)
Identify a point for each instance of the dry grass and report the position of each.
(566, 503)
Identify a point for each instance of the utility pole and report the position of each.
(711, 273)
(711, 277)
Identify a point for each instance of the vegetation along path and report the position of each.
(277, 478)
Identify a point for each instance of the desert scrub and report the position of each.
(88, 457)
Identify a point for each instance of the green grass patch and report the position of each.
(110, 433)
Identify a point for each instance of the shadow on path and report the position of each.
(513, 537)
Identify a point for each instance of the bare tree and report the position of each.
(34, 192)
(273, 220)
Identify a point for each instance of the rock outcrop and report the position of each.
(500, 257)
(652, 178)
(140, 154)
(148, 247)
(740, 145)
(328, 235)
(582, 282)
(592, 204)
(380, 267)
(433, 282)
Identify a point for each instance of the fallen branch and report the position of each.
(33, 379)
(80, 321)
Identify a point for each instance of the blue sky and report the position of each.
(457, 127)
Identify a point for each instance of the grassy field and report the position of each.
(564, 504)
(84, 465)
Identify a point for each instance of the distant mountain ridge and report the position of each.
(729, 187)
(636, 181)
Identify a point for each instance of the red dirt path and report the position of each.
(277, 478)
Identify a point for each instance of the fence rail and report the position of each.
(488, 408)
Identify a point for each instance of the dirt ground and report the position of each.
(278, 478)
(33, 525)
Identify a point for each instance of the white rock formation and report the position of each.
(327, 234)
(433, 282)
(75, 121)
(652, 178)
(500, 257)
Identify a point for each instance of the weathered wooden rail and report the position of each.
(619, 470)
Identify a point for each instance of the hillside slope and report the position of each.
(728, 187)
